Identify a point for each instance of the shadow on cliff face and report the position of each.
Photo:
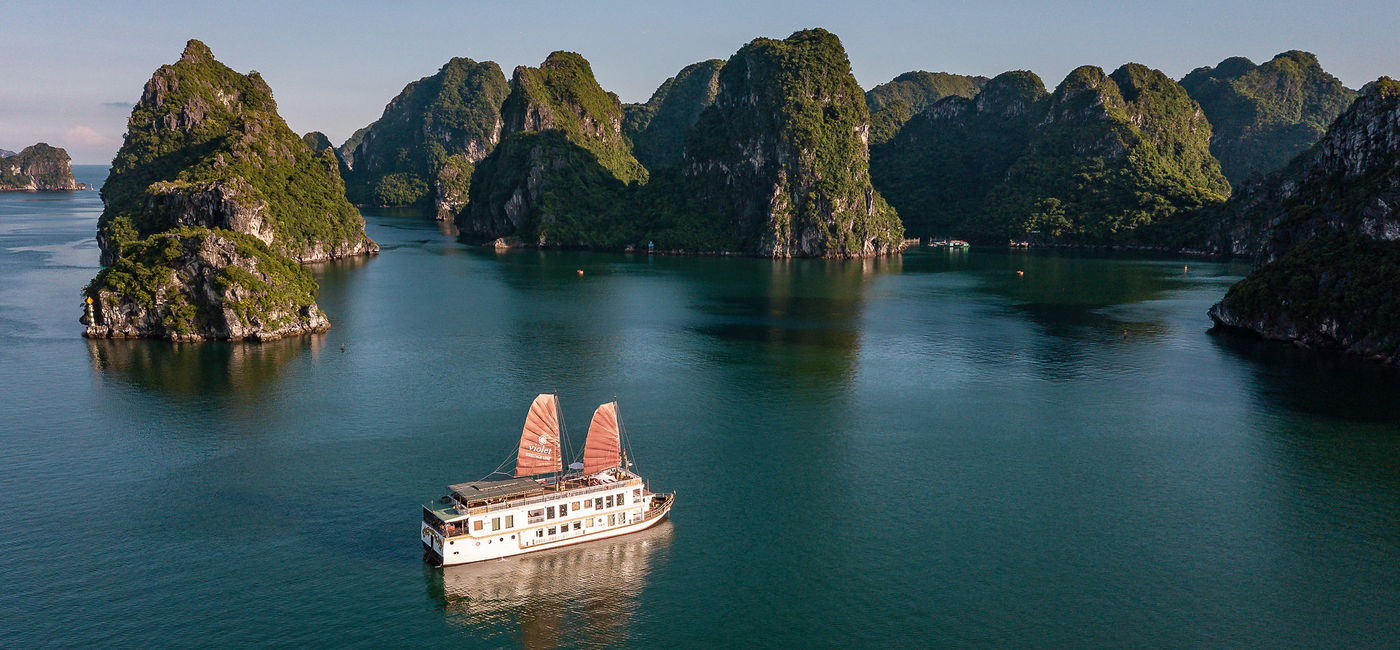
(1316, 382)
(199, 369)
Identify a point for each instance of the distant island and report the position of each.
(211, 206)
(1131, 159)
(38, 168)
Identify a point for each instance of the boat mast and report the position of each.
(563, 445)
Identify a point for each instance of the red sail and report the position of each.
(539, 443)
(604, 447)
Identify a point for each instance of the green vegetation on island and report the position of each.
(1262, 116)
(195, 283)
(1338, 291)
(317, 141)
(1119, 159)
(941, 165)
(781, 157)
(205, 146)
(211, 186)
(561, 171)
(894, 102)
(422, 150)
(776, 165)
(37, 168)
(1329, 267)
(562, 95)
(657, 128)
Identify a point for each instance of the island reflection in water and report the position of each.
(584, 595)
(193, 369)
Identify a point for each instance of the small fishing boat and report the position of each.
(949, 243)
(542, 506)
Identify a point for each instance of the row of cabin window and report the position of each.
(542, 514)
(537, 516)
(578, 525)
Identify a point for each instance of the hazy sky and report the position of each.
(72, 70)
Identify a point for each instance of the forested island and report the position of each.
(211, 207)
(1328, 275)
(37, 168)
(769, 159)
(213, 203)
(1128, 159)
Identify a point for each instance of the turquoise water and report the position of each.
(919, 451)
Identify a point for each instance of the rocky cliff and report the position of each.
(563, 96)
(210, 204)
(422, 150)
(557, 176)
(196, 283)
(658, 127)
(940, 166)
(346, 151)
(1348, 182)
(781, 159)
(38, 168)
(894, 102)
(1328, 274)
(205, 146)
(1262, 116)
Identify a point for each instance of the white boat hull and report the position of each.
(467, 549)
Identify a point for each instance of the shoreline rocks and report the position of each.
(222, 286)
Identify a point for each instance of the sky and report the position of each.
(73, 69)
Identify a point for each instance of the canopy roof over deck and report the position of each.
(486, 490)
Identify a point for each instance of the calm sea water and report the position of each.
(919, 451)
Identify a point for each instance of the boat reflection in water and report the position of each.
(582, 595)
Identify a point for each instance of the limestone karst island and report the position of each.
(211, 208)
(37, 168)
(213, 204)
(542, 324)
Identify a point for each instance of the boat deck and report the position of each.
(514, 492)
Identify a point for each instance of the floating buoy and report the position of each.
(580, 271)
(1020, 274)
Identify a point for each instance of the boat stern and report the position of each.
(431, 538)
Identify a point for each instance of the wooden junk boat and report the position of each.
(542, 506)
